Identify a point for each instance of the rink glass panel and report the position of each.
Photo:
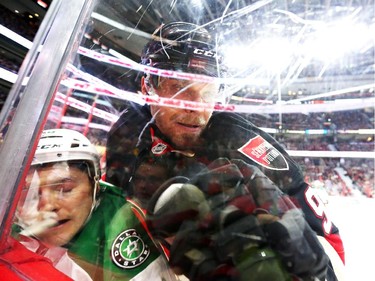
(301, 71)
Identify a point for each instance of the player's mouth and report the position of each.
(192, 127)
(61, 222)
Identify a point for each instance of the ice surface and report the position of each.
(355, 218)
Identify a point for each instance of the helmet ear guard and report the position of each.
(151, 82)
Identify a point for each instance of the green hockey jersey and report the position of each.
(130, 253)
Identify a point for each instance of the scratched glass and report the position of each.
(300, 71)
(188, 90)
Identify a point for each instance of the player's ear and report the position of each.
(144, 87)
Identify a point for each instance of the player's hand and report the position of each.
(208, 243)
(297, 245)
(246, 188)
(243, 185)
(179, 218)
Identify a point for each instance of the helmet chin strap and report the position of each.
(95, 201)
(95, 195)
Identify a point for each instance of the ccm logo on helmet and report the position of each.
(210, 54)
(48, 146)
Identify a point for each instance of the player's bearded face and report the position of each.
(184, 126)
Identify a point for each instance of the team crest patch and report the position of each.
(128, 250)
(159, 148)
(265, 154)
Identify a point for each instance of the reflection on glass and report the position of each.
(167, 90)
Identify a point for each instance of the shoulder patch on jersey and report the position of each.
(265, 154)
(128, 250)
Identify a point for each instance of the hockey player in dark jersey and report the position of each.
(190, 139)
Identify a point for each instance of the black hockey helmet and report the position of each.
(182, 46)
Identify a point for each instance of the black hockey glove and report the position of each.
(238, 184)
(210, 243)
(179, 218)
(231, 248)
(297, 245)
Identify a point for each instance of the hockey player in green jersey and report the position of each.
(130, 252)
(58, 214)
(65, 207)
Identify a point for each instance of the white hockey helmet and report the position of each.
(58, 145)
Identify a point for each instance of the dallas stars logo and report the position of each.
(128, 250)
